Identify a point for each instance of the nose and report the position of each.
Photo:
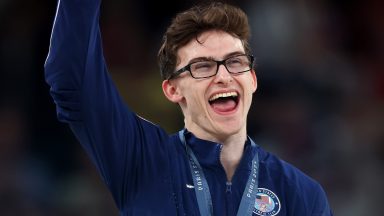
(223, 76)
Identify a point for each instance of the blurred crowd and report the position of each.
(319, 103)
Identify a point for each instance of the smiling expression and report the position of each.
(216, 107)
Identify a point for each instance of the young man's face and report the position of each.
(205, 116)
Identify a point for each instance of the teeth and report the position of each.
(223, 95)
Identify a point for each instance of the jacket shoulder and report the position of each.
(300, 194)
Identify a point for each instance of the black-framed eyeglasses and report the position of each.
(208, 68)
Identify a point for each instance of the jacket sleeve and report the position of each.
(118, 141)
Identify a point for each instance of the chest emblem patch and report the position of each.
(267, 203)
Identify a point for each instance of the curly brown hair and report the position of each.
(190, 24)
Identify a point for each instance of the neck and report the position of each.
(231, 155)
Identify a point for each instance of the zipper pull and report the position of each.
(229, 187)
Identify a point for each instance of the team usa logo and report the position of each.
(267, 203)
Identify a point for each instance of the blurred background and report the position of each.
(319, 103)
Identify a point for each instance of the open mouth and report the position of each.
(224, 102)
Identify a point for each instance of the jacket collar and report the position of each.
(208, 152)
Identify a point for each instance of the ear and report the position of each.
(254, 80)
(171, 91)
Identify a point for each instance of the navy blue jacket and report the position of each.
(146, 169)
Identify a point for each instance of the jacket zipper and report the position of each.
(229, 187)
(228, 193)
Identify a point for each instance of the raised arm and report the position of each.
(75, 50)
(86, 98)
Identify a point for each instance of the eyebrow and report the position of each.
(210, 58)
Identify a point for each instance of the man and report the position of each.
(209, 168)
